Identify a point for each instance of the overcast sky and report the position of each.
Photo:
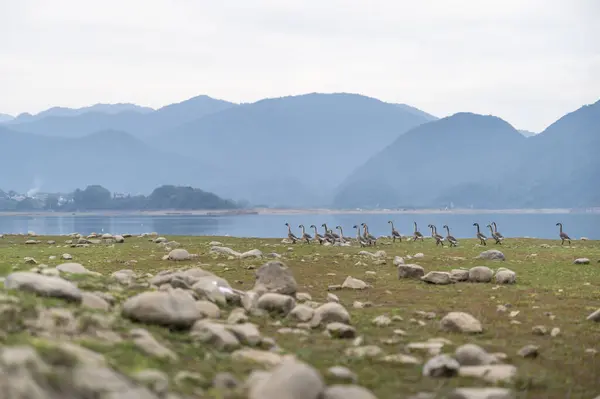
(528, 62)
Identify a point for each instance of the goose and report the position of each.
(417, 234)
(368, 236)
(318, 237)
(482, 238)
(305, 236)
(563, 236)
(496, 231)
(342, 238)
(291, 235)
(395, 233)
(439, 239)
(453, 241)
(494, 235)
(359, 238)
(329, 234)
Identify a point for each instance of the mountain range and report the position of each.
(469, 160)
(342, 150)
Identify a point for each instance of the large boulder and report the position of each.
(173, 308)
(491, 254)
(410, 271)
(276, 277)
(43, 285)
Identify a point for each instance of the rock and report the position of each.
(354, 283)
(276, 303)
(441, 366)
(505, 276)
(529, 351)
(473, 355)
(225, 251)
(303, 297)
(93, 301)
(174, 308)
(253, 253)
(43, 285)
(265, 358)
(332, 297)
(382, 321)
(73, 268)
(398, 260)
(555, 332)
(581, 261)
(67, 256)
(302, 313)
(539, 330)
(491, 373)
(340, 330)
(410, 271)
(433, 348)
(179, 254)
(594, 316)
(289, 380)
(491, 254)
(119, 239)
(214, 334)
(363, 351)
(31, 242)
(277, 278)
(246, 333)
(347, 392)
(30, 261)
(342, 373)
(208, 309)
(481, 393)
(460, 322)
(480, 274)
(155, 380)
(214, 288)
(125, 277)
(328, 313)
(224, 381)
(459, 275)
(400, 358)
(150, 346)
(440, 278)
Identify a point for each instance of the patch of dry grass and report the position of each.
(547, 284)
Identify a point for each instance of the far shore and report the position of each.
(324, 211)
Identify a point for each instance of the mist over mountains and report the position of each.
(342, 150)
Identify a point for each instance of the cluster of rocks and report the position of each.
(477, 274)
(187, 299)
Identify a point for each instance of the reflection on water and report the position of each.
(461, 225)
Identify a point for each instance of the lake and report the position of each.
(539, 225)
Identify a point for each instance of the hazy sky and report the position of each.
(528, 62)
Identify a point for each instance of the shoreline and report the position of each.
(323, 211)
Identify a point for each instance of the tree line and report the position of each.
(96, 197)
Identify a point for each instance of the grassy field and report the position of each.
(550, 291)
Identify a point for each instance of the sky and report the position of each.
(528, 62)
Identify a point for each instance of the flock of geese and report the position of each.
(365, 238)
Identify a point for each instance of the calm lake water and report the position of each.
(265, 226)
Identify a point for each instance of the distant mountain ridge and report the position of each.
(473, 160)
(5, 118)
(141, 122)
(306, 143)
(109, 109)
(113, 159)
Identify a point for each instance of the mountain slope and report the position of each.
(419, 166)
(560, 166)
(308, 142)
(5, 118)
(61, 123)
(527, 133)
(69, 112)
(113, 159)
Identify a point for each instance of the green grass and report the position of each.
(548, 283)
